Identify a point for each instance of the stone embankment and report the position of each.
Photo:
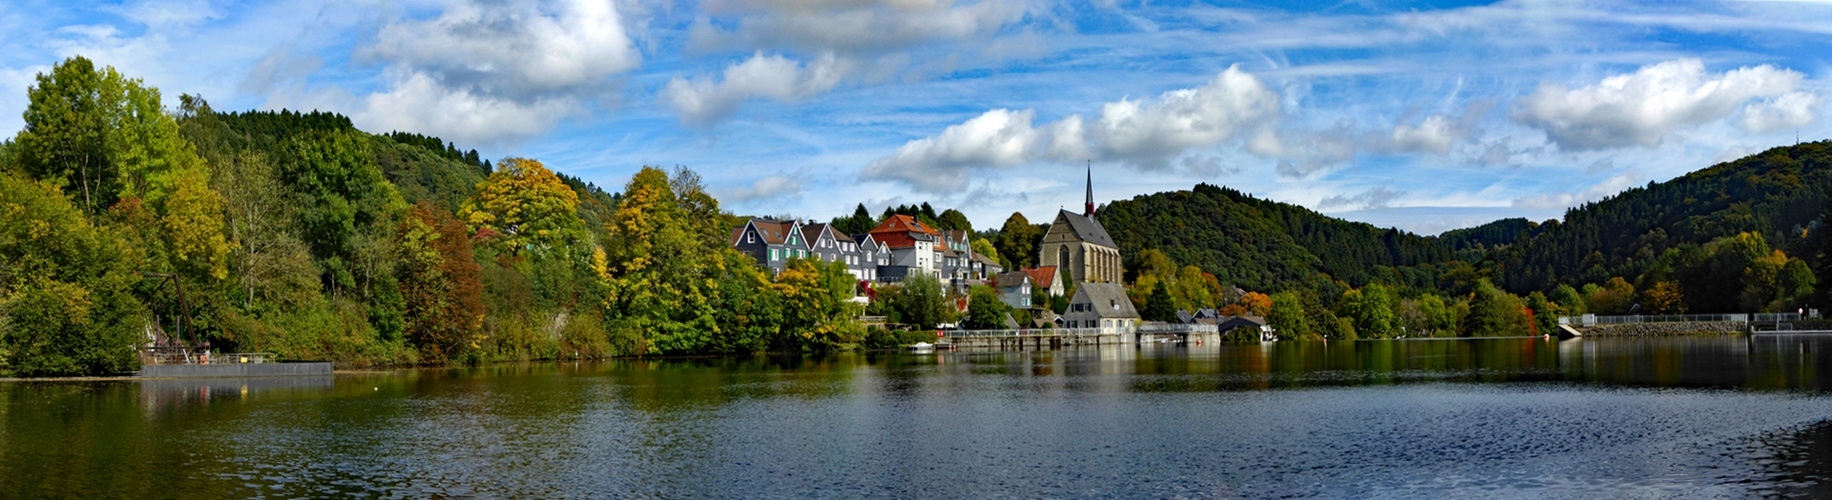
(1667, 329)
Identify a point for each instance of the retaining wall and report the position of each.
(1667, 329)
(237, 370)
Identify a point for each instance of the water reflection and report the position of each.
(1726, 416)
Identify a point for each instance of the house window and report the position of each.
(750, 237)
(773, 254)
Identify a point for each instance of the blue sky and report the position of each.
(1423, 116)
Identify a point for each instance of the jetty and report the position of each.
(1037, 339)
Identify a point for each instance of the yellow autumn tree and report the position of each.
(524, 207)
(194, 226)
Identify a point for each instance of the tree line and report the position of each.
(296, 234)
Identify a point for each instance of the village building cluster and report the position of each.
(1075, 250)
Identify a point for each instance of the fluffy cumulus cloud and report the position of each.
(1432, 135)
(1148, 134)
(513, 49)
(487, 72)
(1641, 108)
(707, 101)
(997, 138)
(1610, 186)
(1782, 112)
(420, 103)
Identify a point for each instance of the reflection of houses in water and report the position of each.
(167, 394)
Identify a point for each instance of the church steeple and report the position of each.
(1089, 211)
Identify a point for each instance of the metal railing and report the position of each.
(1025, 332)
(181, 356)
(1593, 320)
(1177, 328)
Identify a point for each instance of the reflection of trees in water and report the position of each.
(1796, 463)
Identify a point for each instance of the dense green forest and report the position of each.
(299, 235)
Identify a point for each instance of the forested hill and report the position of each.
(1265, 245)
(1738, 236)
(1777, 195)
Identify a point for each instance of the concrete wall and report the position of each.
(1666, 329)
(237, 370)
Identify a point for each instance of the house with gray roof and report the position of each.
(1104, 306)
(1014, 289)
(771, 242)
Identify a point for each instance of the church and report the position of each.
(1079, 247)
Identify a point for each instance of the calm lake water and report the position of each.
(1681, 417)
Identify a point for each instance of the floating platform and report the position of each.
(306, 369)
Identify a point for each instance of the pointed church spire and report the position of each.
(1090, 208)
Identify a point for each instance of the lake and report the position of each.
(1667, 417)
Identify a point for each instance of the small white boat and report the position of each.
(922, 347)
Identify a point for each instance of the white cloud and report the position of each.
(1641, 108)
(767, 188)
(1147, 134)
(1783, 112)
(417, 102)
(851, 27)
(1608, 187)
(520, 50)
(1432, 135)
(13, 100)
(705, 101)
(484, 72)
(279, 66)
(1380, 196)
(996, 138)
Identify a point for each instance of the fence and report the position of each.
(1594, 320)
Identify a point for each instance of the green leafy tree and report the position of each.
(1287, 317)
(1495, 313)
(860, 222)
(1545, 312)
(1195, 289)
(67, 121)
(342, 200)
(1159, 306)
(1369, 310)
(984, 309)
(660, 266)
(1568, 300)
(952, 219)
(66, 301)
(1018, 242)
(982, 246)
(919, 301)
(817, 311)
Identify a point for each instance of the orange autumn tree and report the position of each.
(440, 283)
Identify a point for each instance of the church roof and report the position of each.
(1087, 229)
